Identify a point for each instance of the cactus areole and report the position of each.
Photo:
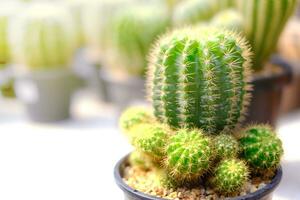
(199, 78)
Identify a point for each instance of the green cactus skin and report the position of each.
(226, 146)
(134, 116)
(189, 155)
(230, 176)
(139, 159)
(261, 148)
(151, 139)
(163, 179)
(264, 21)
(229, 19)
(199, 78)
(43, 38)
(134, 31)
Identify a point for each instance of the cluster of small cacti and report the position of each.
(184, 156)
(198, 85)
(43, 37)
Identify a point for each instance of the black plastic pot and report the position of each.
(46, 94)
(267, 94)
(264, 193)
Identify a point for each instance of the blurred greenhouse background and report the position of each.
(69, 67)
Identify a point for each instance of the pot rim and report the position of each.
(264, 191)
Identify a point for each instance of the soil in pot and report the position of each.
(141, 184)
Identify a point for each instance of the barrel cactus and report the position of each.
(189, 154)
(151, 139)
(261, 148)
(230, 176)
(264, 21)
(200, 78)
(42, 37)
(134, 116)
(226, 146)
(229, 19)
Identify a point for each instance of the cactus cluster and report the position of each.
(198, 85)
(199, 78)
(42, 37)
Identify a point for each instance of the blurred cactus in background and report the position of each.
(134, 30)
(43, 37)
(229, 19)
(264, 21)
(7, 10)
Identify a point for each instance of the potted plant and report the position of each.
(263, 22)
(192, 146)
(43, 41)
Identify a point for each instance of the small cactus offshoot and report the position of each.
(199, 78)
(141, 160)
(189, 154)
(230, 176)
(261, 147)
(226, 146)
(133, 116)
(150, 139)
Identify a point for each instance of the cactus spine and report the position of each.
(264, 22)
(189, 154)
(199, 78)
(262, 149)
(43, 37)
(230, 176)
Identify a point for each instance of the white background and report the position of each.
(74, 160)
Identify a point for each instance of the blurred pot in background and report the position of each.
(289, 48)
(43, 42)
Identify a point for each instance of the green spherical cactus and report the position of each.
(189, 155)
(200, 78)
(226, 146)
(229, 19)
(264, 21)
(151, 139)
(7, 11)
(261, 148)
(134, 30)
(230, 176)
(43, 37)
(139, 159)
(164, 180)
(134, 116)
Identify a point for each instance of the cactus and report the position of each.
(134, 30)
(229, 19)
(230, 176)
(262, 149)
(264, 21)
(141, 160)
(226, 146)
(199, 78)
(7, 10)
(189, 155)
(134, 116)
(43, 38)
(151, 139)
